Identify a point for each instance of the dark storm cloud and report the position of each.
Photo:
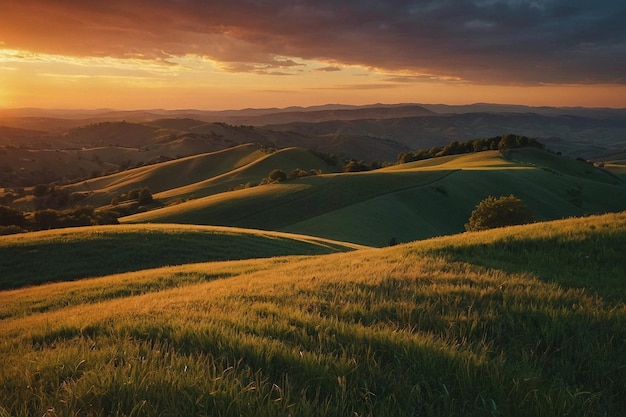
(483, 41)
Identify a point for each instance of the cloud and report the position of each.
(330, 68)
(479, 41)
(353, 87)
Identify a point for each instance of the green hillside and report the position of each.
(512, 322)
(199, 175)
(68, 254)
(409, 201)
(250, 174)
(166, 175)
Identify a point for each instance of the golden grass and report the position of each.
(167, 175)
(479, 160)
(451, 326)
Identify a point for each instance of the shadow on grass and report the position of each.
(53, 261)
(592, 261)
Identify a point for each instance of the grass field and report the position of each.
(67, 254)
(520, 321)
(411, 201)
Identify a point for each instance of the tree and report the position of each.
(11, 217)
(277, 175)
(46, 219)
(145, 196)
(499, 212)
(40, 190)
(508, 141)
(297, 173)
(354, 166)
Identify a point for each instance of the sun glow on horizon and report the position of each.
(30, 79)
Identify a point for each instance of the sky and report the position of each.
(234, 54)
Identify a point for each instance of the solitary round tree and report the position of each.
(499, 212)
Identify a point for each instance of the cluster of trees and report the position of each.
(14, 221)
(278, 175)
(50, 214)
(25, 178)
(142, 195)
(504, 142)
(359, 166)
(49, 196)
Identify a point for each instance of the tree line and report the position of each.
(501, 143)
(15, 221)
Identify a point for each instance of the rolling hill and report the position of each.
(199, 175)
(83, 252)
(100, 149)
(575, 136)
(96, 142)
(409, 201)
(518, 321)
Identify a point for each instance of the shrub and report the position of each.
(276, 175)
(499, 212)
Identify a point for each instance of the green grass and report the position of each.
(412, 201)
(167, 175)
(279, 205)
(252, 173)
(66, 254)
(495, 323)
(199, 175)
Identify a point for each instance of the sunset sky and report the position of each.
(234, 54)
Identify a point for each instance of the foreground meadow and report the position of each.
(520, 321)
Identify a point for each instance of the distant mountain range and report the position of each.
(259, 117)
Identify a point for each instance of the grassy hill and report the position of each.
(76, 253)
(520, 321)
(411, 201)
(167, 175)
(287, 160)
(199, 175)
